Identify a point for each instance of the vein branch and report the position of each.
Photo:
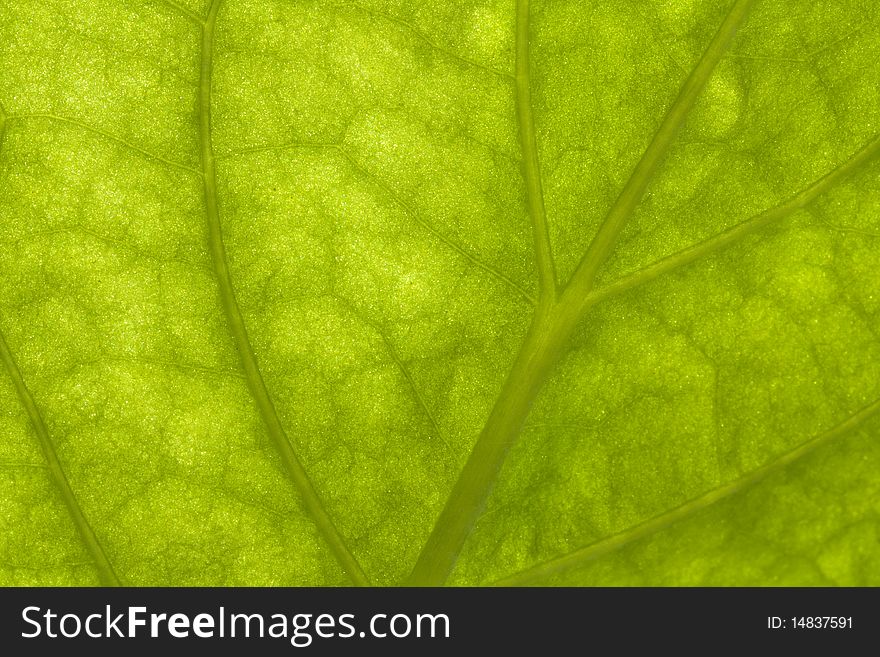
(106, 573)
(183, 11)
(603, 243)
(235, 320)
(409, 211)
(404, 370)
(106, 135)
(735, 234)
(401, 366)
(304, 145)
(688, 509)
(56, 471)
(397, 200)
(530, 163)
(552, 325)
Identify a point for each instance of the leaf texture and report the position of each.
(300, 292)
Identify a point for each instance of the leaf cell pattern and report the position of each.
(388, 292)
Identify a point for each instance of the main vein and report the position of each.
(234, 318)
(530, 162)
(56, 471)
(555, 319)
(688, 509)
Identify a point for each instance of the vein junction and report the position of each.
(557, 315)
(555, 319)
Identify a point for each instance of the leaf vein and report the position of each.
(552, 326)
(631, 195)
(412, 384)
(401, 366)
(107, 135)
(738, 232)
(56, 470)
(409, 211)
(688, 509)
(489, 269)
(530, 162)
(183, 11)
(235, 321)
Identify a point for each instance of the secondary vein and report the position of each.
(183, 11)
(411, 212)
(603, 243)
(105, 569)
(688, 509)
(56, 471)
(106, 135)
(234, 318)
(733, 235)
(530, 162)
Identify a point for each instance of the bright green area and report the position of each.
(398, 291)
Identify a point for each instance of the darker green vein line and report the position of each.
(183, 11)
(398, 201)
(420, 400)
(401, 366)
(235, 321)
(108, 136)
(606, 237)
(410, 212)
(56, 471)
(733, 235)
(530, 163)
(688, 509)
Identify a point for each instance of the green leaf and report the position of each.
(300, 292)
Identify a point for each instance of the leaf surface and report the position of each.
(386, 291)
